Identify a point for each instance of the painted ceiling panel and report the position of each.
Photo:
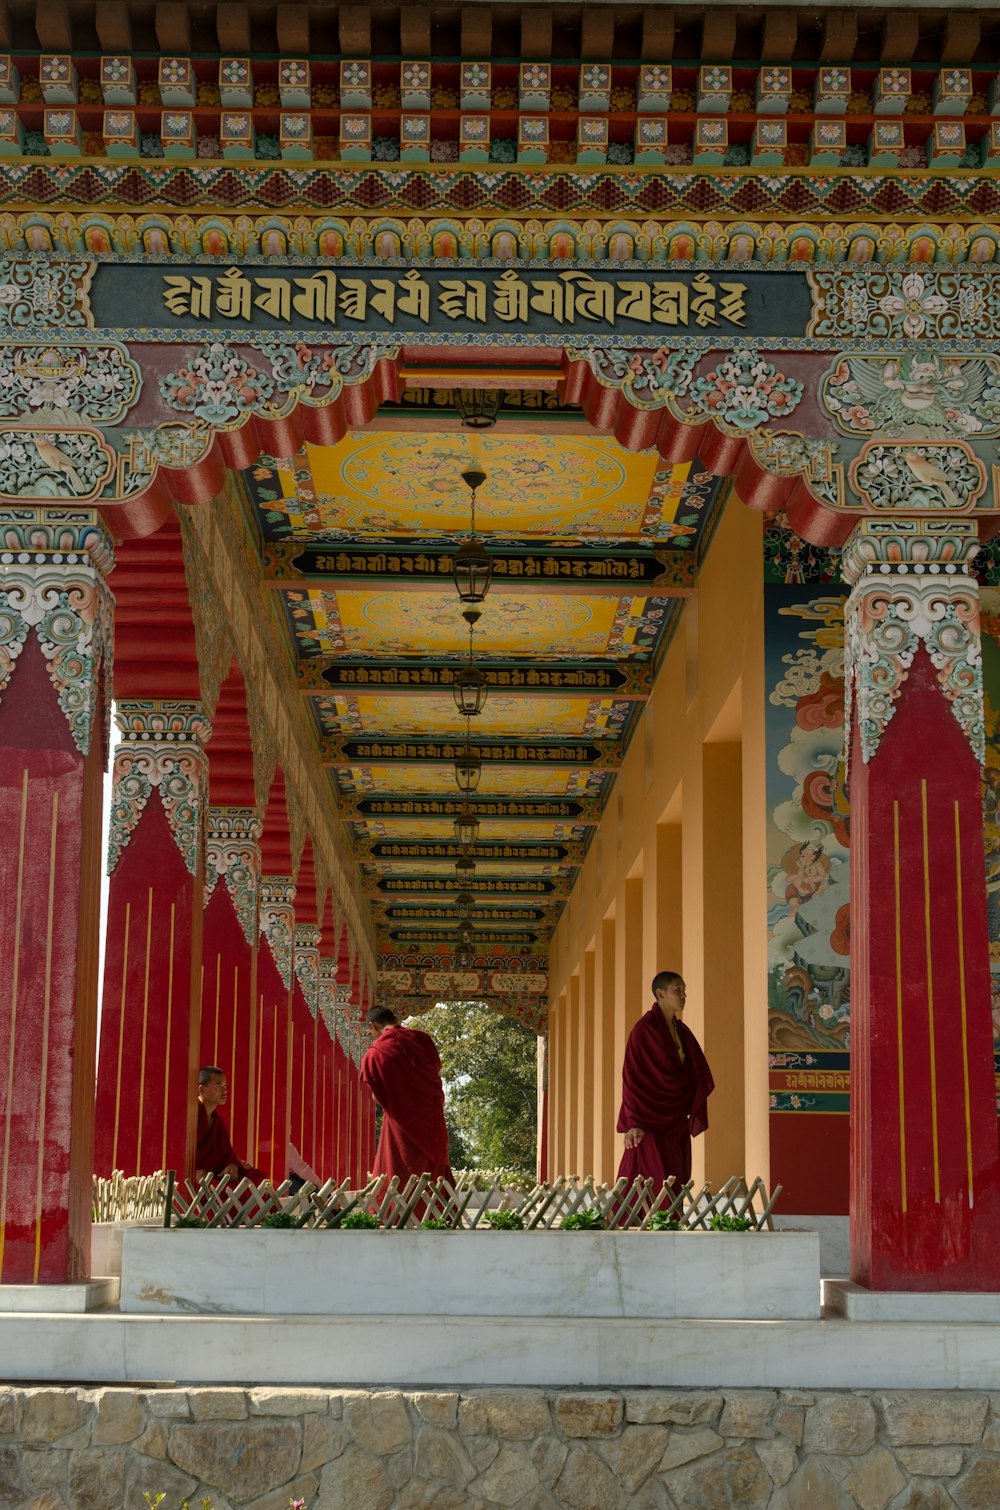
(497, 780)
(383, 511)
(442, 830)
(436, 715)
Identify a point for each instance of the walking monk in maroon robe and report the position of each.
(666, 1083)
(402, 1069)
(215, 1153)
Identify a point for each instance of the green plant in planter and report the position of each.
(436, 1224)
(506, 1221)
(190, 1222)
(279, 1219)
(661, 1222)
(590, 1220)
(359, 1221)
(730, 1224)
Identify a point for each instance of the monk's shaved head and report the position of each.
(664, 980)
(209, 1072)
(381, 1017)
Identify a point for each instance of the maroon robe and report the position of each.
(664, 1096)
(402, 1069)
(215, 1149)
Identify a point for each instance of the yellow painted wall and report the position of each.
(675, 880)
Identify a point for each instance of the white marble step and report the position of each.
(453, 1351)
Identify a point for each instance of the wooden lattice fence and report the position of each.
(460, 1205)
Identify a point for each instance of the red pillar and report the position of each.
(55, 647)
(229, 962)
(306, 1009)
(150, 1023)
(274, 1005)
(925, 1171)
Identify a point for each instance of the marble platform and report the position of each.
(762, 1276)
(59, 1299)
(447, 1351)
(855, 1303)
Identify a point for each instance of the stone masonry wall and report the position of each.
(101, 1449)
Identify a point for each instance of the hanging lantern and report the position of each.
(465, 901)
(466, 829)
(468, 770)
(477, 407)
(472, 569)
(465, 868)
(470, 689)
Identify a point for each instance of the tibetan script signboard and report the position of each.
(599, 302)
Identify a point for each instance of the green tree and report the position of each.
(489, 1069)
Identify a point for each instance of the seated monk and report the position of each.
(402, 1069)
(666, 1083)
(215, 1153)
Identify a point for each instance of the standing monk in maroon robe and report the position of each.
(666, 1083)
(402, 1069)
(215, 1153)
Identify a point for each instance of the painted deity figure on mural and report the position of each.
(402, 1069)
(215, 1154)
(666, 1083)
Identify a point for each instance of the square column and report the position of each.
(925, 1170)
(275, 980)
(56, 617)
(229, 955)
(151, 1018)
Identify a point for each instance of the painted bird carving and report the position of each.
(57, 461)
(932, 476)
